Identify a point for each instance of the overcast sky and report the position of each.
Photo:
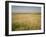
(24, 9)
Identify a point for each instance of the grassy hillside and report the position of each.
(29, 21)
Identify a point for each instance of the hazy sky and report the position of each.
(24, 9)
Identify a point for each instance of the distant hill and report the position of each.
(26, 13)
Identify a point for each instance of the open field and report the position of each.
(29, 21)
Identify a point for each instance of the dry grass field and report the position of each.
(31, 21)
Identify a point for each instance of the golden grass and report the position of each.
(26, 22)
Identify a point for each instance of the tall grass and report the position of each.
(26, 22)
